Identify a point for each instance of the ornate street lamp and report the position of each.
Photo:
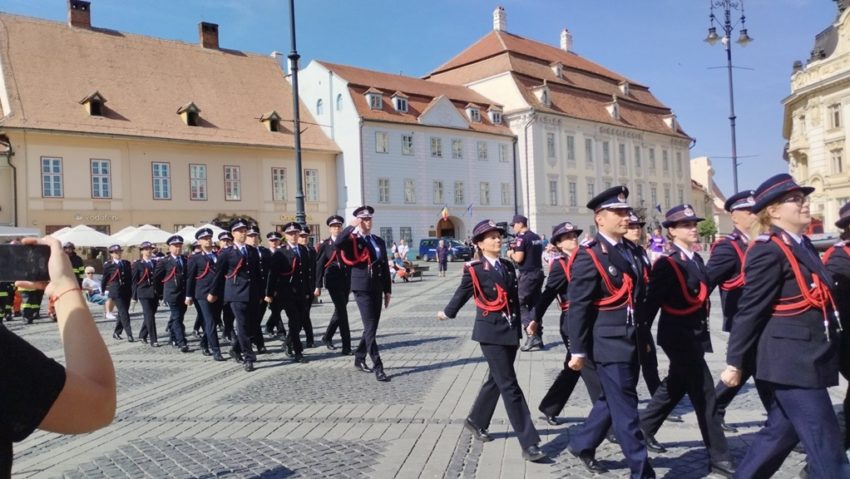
(743, 39)
(300, 214)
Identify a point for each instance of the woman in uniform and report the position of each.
(492, 282)
(144, 291)
(787, 313)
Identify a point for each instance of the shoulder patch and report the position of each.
(763, 238)
(589, 243)
(472, 263)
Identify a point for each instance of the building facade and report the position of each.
(412, 148)
(112, 129)
(580, 127)
(815, 124)
(706, 196)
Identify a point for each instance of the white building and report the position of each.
(581, 127)
(411, 147)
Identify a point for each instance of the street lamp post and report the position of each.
(743, 39)
(300, 214)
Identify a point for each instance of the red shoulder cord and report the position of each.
(831, 250)
(236, 269)
(617, 298)
(565, 265)
(206, 270)
(694, 302)
(170, 275)
(114, 275)
(488, 305)
(144, 275)
(294, 265)
(331, 259)
(359, 256)
(736, 281)
(818, 296)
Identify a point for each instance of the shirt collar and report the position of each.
(686, 251)
(797, 238)
(492, 261)
(609, 240)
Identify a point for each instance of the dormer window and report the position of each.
(671, 122)
(400, 102)
(94, 104)
(495, 115)
(271, 120)
(624, 88)
(190, 114)
(473, 112)
(557, 69)
(542, 94)
(614, 108)
(375, 98)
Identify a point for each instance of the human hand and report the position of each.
(188, 301)
(731, 376)
(532, 328)
(211, 298)
(317, 292)
(62, 277)
(355, 222)
(268, 299)
(576, 363)
(442, 316)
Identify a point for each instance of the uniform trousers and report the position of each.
(369, 303)
(242, 314)
(209, 313)
(688, 375)
(561, 390)
(307, 323)
(339, 296)
(530, 284)
(275, 321)
(796, 415)
(227, 318)
(649, 365)
(176, 329)
(501, 381)
(616, 406)
(122, 313)
(257, 338)
(295, 309)
(148, 329)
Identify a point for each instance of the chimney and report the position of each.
(500, 19)
(566, 40)
(208, 33)
(79, 13)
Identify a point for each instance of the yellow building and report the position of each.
(112, 129)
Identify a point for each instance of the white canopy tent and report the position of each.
(188, 233)
(121, 236)
(58, 232)
(83, 235)
(146, 233)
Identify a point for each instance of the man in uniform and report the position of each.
(200, 280)
(602, 325)
(239, 282)
(170, 272)
(366, 255)
(336, 277)
(117, 282)
(274, 325)
(225, 242)
(76, 262)
(288, 283)
(527, 252)
(310, 269)
(253, 239)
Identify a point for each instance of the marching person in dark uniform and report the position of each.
(527, 252)
(678, 286)
(605, 280)
(239, 282)
(837, 261)
(146, 292)
(334, 275)
(787, 314)
(7, 300)
(565, 239)
(76, 262)
(274, 325)
(288, 283)
(726, 270)
(310, 269)
(366, 255)
(117, 281)
(492, 283)
(170, 272)
(253, 239)
(200, 281)
(225, 242)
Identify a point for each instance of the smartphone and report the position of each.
(23, 262)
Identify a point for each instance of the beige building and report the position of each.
(816, 121)
(707, 197)
(112, 129)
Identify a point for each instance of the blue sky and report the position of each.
(658, 44)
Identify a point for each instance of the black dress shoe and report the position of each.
(197, 334)
(309, 345)
(235, 355)
(381, 376)
(552, 421)
(527, 345)
(345, 352)
(723, 468)
(248, 366)
(674, 418)
(589, 462)
(154, 344)
(130, 339)
(361, 365)
(299, 358)
(477, 432)
(262, 350)
(329, 344)
(117, 336)
(533, 454)
(206, 352)
(184, 348)
(218, 357)
(652, 444)
(144, 340)
(727, 427)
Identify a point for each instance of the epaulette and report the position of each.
(764, 237)
(589, 243)
(472, 263)
(733, 236)
(841, 244)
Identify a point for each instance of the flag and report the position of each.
(658, 208)
(469, 210)
(444, 213)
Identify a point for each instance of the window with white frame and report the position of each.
(834, 115)
(457, 149)
(837, 158)
(652, 160)
(320, 107)
(279, 184)
(550, 145)
(197, 182)
(553, 192)
(653, 194)
(665, 162)
(506, 194)
(339, 102)
(588, 152)
(640, 193)
(606, 153)
(591, 189)
(459, 196)
(51, 177)
(436, 147)
(406, 233)
(438, 192)
(101, 186)
(571, 148)
(232, 183)
(382, 142)
(311, 184)
(637, 159)
(406, 144)
(161, 174)
(681, 195)
(376, 101)
(622, 155)
(482, 150)
(484, 193)
(503, 153)
(401, 104)
(387, 234)
(573, 190)
(666, 197)
(383, 190)
(474, 114)
(679, 163)
(409, 191)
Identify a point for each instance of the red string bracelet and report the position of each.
(55, 297)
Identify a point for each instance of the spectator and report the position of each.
(657, 244)
(92, 287)
(403, 249)
(37, 391)
(394, 249)
(442, 258)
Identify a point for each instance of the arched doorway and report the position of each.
(452, 227)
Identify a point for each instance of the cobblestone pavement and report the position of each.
(185, 416)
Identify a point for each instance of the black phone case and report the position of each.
(19, 262)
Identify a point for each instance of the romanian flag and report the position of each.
(444, 213)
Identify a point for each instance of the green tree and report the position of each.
(707, 229)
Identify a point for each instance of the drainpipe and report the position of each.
(527, 173)
(8, 152)
(516, 195)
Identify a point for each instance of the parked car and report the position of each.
(457, 250)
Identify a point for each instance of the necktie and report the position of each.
(242, 250)
(627, 255)
(500, 269)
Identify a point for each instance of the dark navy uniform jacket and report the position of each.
(556, 286)
(603, 336)
(288, 274)
(171, 273)
(239, 278)
(530, 243)
(490, 327)
(791, 350)
(144, 286)
(310, 267)
(200, 275)
(724, 265)
(370, 275)
(330, 270)
(683, 335)
(837, 260)
(117, 281)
